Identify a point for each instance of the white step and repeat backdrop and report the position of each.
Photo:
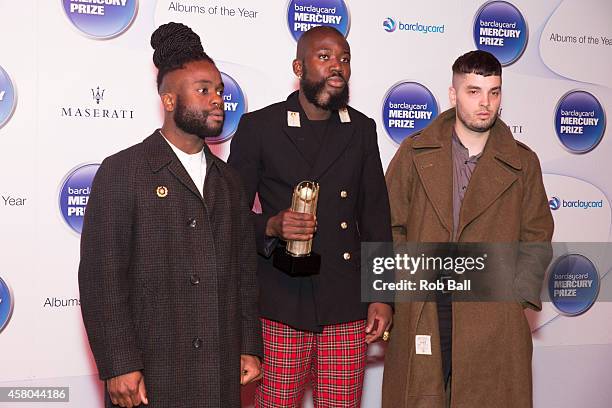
(77, 84)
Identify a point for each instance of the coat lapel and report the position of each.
(433, 161)
(336, 139)
(160, 154)
(296, 133)
(493, 175)
(212, 182)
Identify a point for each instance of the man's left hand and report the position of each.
(250, 369)
(380, 316)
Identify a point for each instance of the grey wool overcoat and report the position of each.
(167, 277)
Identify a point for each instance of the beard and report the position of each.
(194, 122)
(315, 93)
(476, 125)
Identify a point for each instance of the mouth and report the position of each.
(216, 115)
(336, 81)
(483, 115)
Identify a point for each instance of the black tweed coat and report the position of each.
(167, 277)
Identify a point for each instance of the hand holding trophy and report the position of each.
(297, 259)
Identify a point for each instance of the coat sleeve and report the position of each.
(374, 218)
(373, 209)
(249, 290)
(103, 272)
(535, 250)
(245, 151)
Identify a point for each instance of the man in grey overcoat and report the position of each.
(168, 261)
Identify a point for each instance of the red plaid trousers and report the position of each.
(334, 360)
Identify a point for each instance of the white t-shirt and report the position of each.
(195, 164)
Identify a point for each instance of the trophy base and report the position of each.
(296, 265)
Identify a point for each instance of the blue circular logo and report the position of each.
(554, 203)
(499, 28)
(302, 15)
(101, 19)
(580, 121)
(8, 98)
(408, 107)
(6, 304)
(389, 25)
(573, 284)
(74, 195)
(234, 105)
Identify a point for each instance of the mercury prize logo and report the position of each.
(500, 28)
(573, 284)
(408, 107)
(302, 15)
(6, 304)
(234, 105)
(580, 121)
(74, 195)
(101, 19)
(7, 97)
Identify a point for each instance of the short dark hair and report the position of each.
(477, 62)
(175, 45)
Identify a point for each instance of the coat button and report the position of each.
(197, 343)
(343, 194)
(343, 225)
(193, 222)
(194, 279)
(346, 256)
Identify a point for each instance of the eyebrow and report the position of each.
(480, 88)
(207, 81)
(346, 51)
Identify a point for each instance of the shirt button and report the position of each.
(463, 188)
(343, 194)
(194, 279)
(193, 222)
(343, 225)
(346, 256)
(197, 343)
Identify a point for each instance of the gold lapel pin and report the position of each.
(162, 191)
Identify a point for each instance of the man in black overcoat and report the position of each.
(315, 326)
(167, 273)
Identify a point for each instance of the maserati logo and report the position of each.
(97, 94)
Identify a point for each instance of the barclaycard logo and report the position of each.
(554, 203)
(389, 25)
(6, 304)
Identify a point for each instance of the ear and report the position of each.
(297, 68)
(168, 100)
(452, 96)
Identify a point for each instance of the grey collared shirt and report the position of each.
(463, 167)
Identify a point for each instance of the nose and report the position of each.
(485, 100)
(217, 100)
(335, 66)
